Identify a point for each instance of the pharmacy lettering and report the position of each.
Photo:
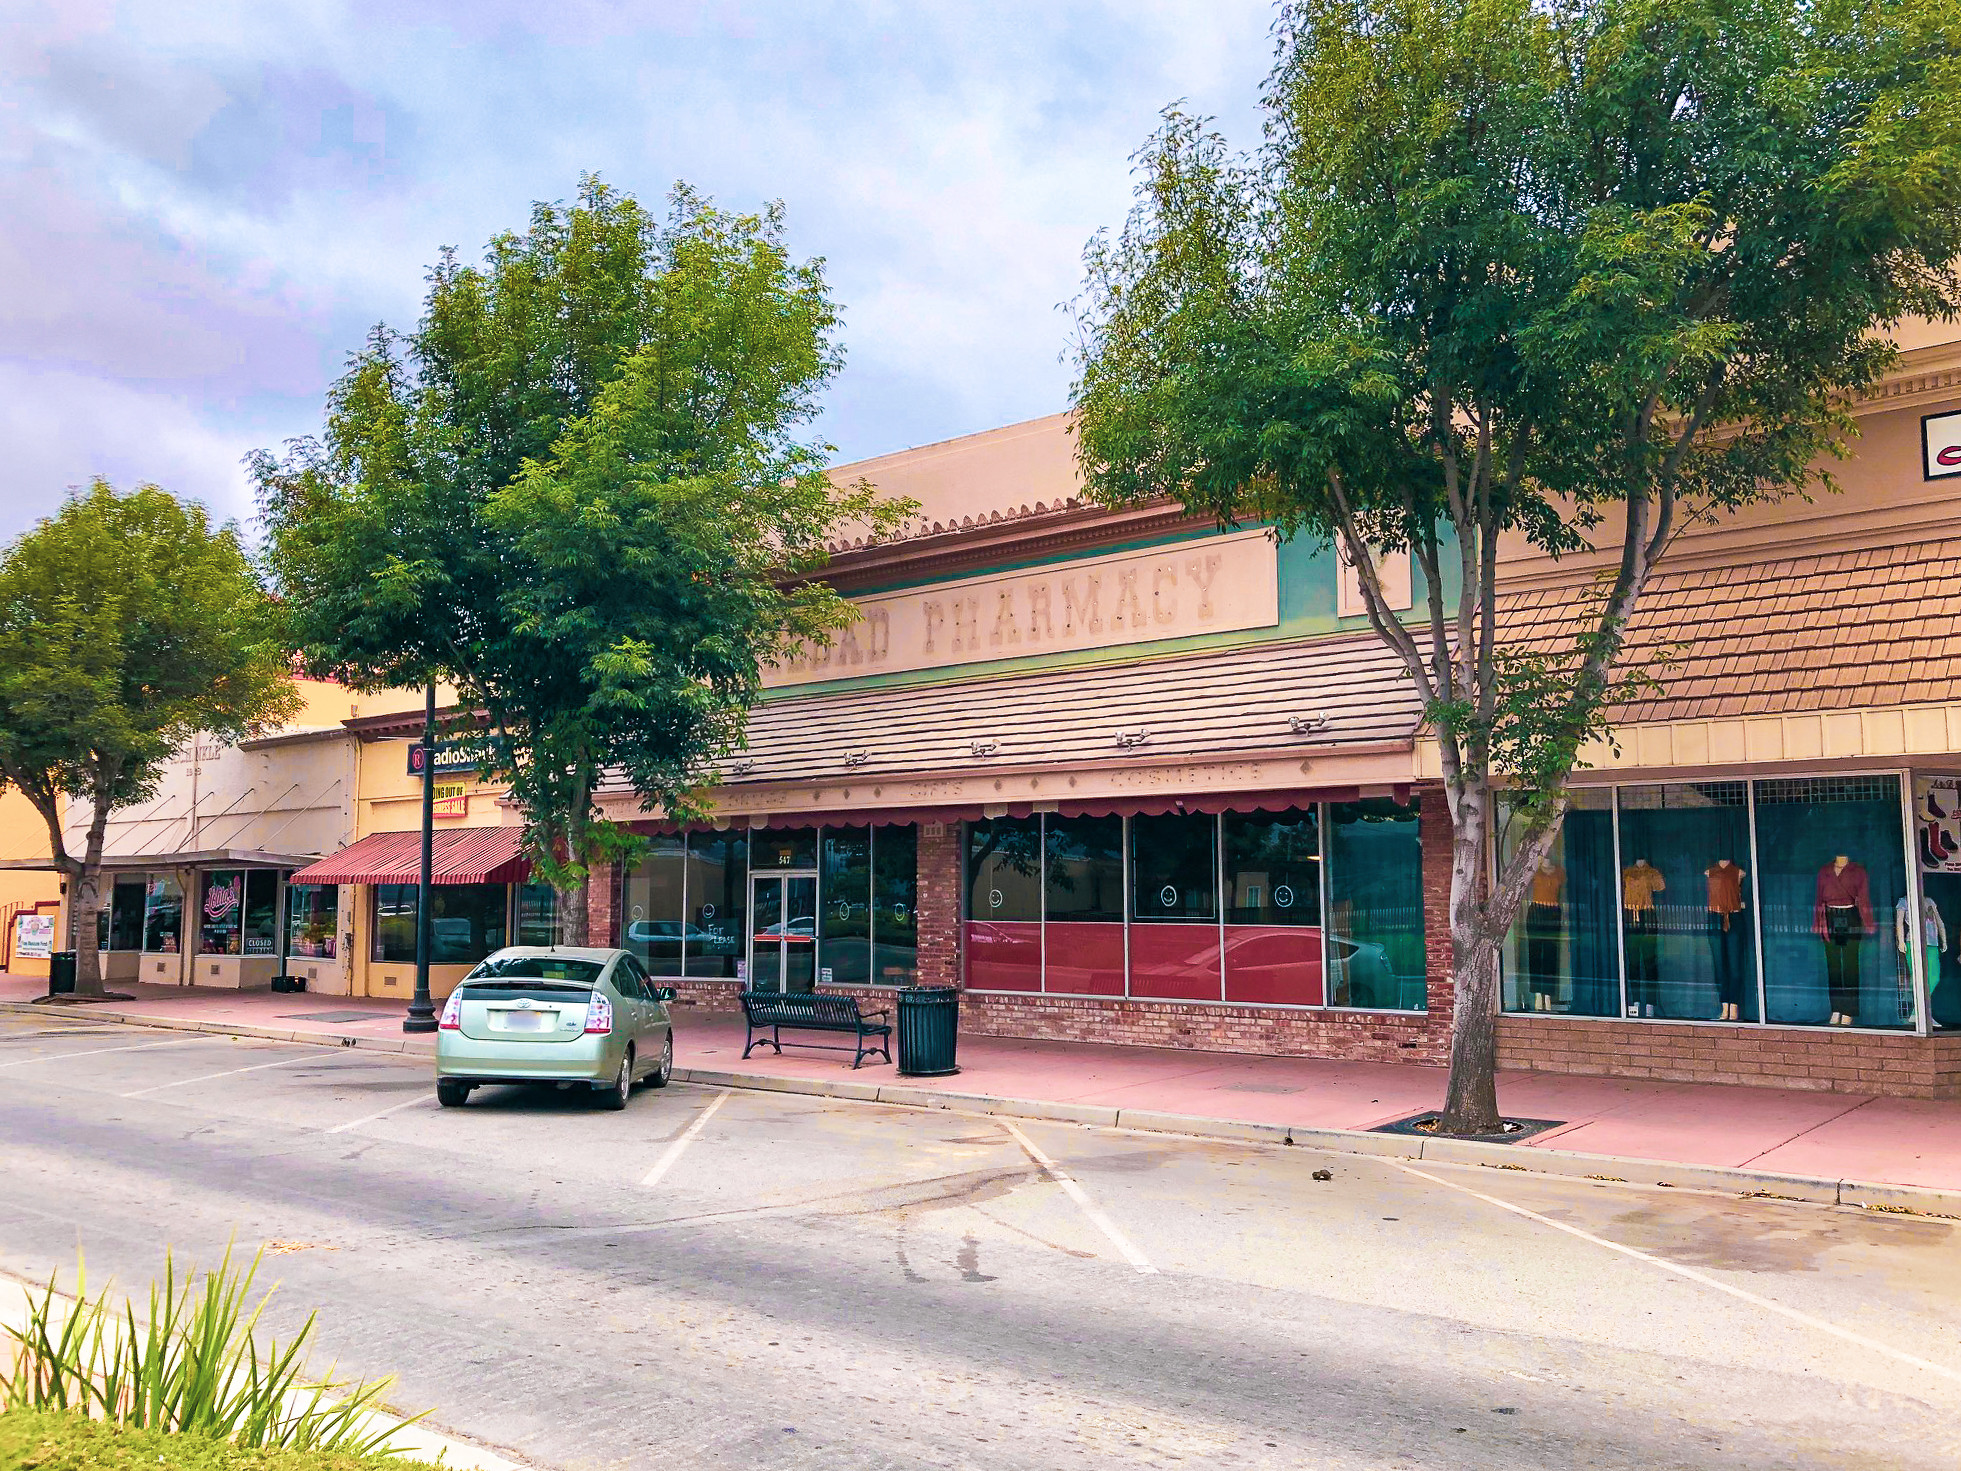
(1215, 585)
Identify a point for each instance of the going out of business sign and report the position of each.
(450, 759)
(1940, 445)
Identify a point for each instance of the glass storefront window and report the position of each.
(1272, 896)
(313, 921)
(120, 925)
(1174, 946)
(653, 910)
(844, 925)
(1004, 904)
(261, 926)
(537, 915)
(1563, 954)
(221, 909)
(718, 903)
(163, 916)
(1832, 875)
(1376, 957)
(466, 922)
(1082, 894)
(895, 905)
(1688, 901)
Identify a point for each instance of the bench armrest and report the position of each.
(873, 1015)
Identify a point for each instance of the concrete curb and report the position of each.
(225, 1029)
(1618, 1169)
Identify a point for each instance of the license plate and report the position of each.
(530, 1021)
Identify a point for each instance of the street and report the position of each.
(722, 1279)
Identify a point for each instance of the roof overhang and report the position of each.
(470, 855)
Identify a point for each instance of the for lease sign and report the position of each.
(1940, 444)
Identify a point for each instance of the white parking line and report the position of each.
(310, 1053)
(1088, 1207)
(675, 1150)
(98, 1051)
(380, 1114)
(1689, 1272)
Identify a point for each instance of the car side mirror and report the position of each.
(663, 993)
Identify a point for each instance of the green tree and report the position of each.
(1579, 274)
(128, 626)
(581, 492)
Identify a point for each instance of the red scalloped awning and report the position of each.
(471, 855)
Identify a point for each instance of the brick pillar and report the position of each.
(1433, 830)
(603, 904)
(940, 883)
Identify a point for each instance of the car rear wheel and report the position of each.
(614, 1098)
(451, 1093)
(665, 1068)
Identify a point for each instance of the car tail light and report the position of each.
(599, 1014)
(452, 1018)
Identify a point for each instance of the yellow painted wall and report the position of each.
(24, 835)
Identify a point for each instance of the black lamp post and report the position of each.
(422, 1010)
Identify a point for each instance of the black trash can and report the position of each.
(61, 973)
(929, 1029)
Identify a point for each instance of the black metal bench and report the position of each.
(808, 1011)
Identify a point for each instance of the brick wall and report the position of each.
(1765, 1057)
(941, 881)
(603, 904)
(1206, 1027)
(1433, 831)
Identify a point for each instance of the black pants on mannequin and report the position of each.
(1643, 962)
(1842, 938)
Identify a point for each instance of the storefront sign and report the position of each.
(1940, 445)
(452, 799)
(1216, 585)
(448, 759)
(33, 936)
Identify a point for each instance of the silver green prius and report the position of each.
(534, 1014)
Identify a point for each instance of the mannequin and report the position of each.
(1728, 942)
(1543, 929)
(1933, 939)
(1640, 882)
(1841, 916)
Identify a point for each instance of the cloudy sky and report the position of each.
(203, 205)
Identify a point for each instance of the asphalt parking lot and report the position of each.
(757, 1279)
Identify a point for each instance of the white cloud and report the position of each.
(203, 203)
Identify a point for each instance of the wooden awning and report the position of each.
(471, 855)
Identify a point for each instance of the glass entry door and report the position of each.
(783, 932)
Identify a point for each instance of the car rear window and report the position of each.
(560, 991)
(537, 968)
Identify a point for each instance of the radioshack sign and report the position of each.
(1940, 445)
(450, 760)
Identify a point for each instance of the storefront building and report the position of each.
(1121, 776)
(481, 895)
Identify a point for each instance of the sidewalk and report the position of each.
(1805, 1144)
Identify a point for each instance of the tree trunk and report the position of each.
(1471, 1101)
(86, 905)
(573, 918)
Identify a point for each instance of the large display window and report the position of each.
(313, 921)
(221, 911)
(1937, 934)
(163, 916)
(1376, 957)
(895, 904)
(717, 902)
(1781, 900)
(1201, 906)
(466, 922)
(1004, 904)
(844, 919)
(654, 906)
(1272, 896)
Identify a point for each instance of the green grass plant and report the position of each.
(64, 1440)
(193, 1362)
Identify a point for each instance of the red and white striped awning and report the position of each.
(470, 855)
